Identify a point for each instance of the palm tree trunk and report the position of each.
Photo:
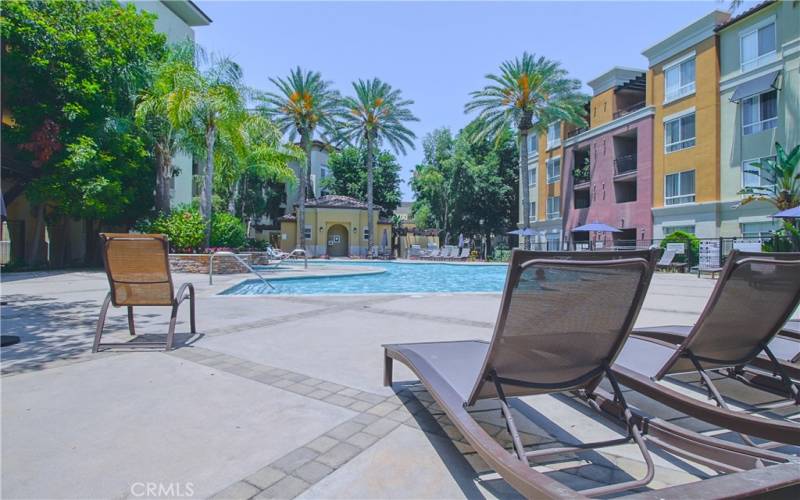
(523, 184)
(164, 162)
(369, 193)
(301, 208)
(208, 181)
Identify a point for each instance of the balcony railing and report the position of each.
(577, 131)
(629, 109)
(625, 164)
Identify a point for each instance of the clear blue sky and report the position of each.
(436, 52)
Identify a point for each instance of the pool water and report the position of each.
(398, 278)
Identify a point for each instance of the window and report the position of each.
(553, 242)
(532, 211)
(533, 144)
(679, 80)
(553, 170)
(366, 233)
(679, 188)
(307, 232)
(532, 177)
(753, 176)
(679, 133)
(671, 229)
(757, 46)
(554, 135)
(761, 230)
(553, 207)
(760, 112)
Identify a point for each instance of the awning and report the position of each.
(756, 86)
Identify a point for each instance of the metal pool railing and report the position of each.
(241, 261)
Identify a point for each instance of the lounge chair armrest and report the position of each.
(181, 295)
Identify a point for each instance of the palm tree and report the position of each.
(204, 103)
(529, 94)
(784, 193)
(151, 114)
(303, 104)
(377, 113)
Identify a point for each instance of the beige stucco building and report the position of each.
(335, 226)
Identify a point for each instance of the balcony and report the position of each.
(624, 165)
(577, 131)
(581, 176)
(628, 110)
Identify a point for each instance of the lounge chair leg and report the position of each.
(191, 308)
(131, 325)
(172, 320)
(778, 370)
(511, 427)
(387, 370)
(101, 321)
(713, 392)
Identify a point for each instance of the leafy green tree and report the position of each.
(349, 177)
(207, 101)
(377, 113)
(432, 181)
(68, 135)
(784, 192)
(303, 104)
(151, 113)
(529, 94)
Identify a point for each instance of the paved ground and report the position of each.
(274, 397)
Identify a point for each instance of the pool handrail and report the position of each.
(240, 260)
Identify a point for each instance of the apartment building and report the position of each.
(545, 154)
(683, 88)
(759, 95)
(608, 166)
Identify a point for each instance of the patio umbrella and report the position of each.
(597, 227)
(791, 213)
(384, 239)
(461, 240)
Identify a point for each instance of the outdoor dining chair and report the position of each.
(137, 267)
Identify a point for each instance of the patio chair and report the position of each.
(464, 254)
(754, 297)
(137, 267)
(571, 354)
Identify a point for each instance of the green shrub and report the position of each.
(227, 231)
(184, 227)
(683, 237)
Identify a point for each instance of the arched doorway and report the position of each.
(337, 241)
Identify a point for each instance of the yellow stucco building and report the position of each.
(336, 226)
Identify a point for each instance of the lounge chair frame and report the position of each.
(722, 456)
(185, 291)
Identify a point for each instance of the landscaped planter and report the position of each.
(198, 263)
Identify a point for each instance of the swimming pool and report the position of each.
(399, 277)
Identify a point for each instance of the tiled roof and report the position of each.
(336, 201)
(739, 17)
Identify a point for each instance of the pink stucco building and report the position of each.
(608, 169)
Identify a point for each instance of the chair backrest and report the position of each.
(137, 266)
(756, 293)
(563, 317)
(667, 257)
(464, 253)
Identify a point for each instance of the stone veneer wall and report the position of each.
(198, 263)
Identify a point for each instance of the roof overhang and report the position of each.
(686, 38)
(188, 11)
(759, 85)
(615, 77)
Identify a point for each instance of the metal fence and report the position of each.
(722, 247)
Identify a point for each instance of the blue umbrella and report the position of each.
(523, 232)
(791, 213)
(597, 227)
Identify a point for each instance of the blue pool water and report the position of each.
(397, 278)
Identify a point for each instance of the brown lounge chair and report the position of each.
(753, 299)
(137, 266)
(521, 361)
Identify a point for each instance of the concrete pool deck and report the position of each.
(275, 397)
